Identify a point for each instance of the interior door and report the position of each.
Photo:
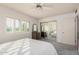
(68, 31)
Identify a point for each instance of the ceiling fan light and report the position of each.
(38, 6)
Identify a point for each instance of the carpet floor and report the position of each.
(63, 49)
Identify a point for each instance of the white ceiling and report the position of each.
(50, 9)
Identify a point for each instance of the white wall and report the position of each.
(66, 24)
(6, 12)
(63, 21)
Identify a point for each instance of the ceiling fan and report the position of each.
(43, 5)
(38, 5)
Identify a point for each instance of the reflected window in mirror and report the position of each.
(34, 27)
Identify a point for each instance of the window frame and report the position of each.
(14, 28)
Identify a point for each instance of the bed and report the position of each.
(27, 47)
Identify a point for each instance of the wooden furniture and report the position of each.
(36, 35)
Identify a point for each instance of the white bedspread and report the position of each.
(27, 47)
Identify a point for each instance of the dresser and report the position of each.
(36, 35)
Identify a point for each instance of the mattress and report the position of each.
(27, 47)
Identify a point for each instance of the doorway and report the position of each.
(50, 28)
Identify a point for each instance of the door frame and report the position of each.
(76, 32)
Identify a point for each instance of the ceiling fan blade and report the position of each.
(31, 6)
(47, 5)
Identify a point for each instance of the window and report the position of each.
(28, 26)
(10, 25)
(17, 25)
(14, 25)
(24, 26)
